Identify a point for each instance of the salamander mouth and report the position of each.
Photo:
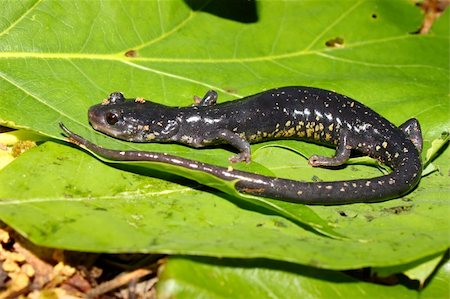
(96, 120)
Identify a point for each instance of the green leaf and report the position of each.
(59, 58)
(437, 146)
(419, 270)
(184, 277)
(439, 286)
(128, 211)
(128, 206)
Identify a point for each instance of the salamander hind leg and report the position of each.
(342, 155)
(411, 128)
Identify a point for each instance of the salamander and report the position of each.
(303, 113)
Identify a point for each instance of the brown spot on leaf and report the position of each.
(337, 42)
(131, 53)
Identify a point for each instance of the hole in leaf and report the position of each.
(337, 42)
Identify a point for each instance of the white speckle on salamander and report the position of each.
(193, 118)
(212, 120)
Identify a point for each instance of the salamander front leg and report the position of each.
(209, 99)
(238, 142)
(342, 155)
(411, 128)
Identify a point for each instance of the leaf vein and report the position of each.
(13, 24)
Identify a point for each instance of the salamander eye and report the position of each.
(112, 118)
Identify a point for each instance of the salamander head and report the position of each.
(133, 120)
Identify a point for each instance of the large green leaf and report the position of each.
(119, 211)
(184, 277)
(58, 58)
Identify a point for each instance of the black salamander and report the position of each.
(304, 113)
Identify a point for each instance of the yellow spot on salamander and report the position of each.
(327, 136)
(330, 127)
(288, 123)
(139, 100)
(384, 144)
(279, 134)
(151, 136)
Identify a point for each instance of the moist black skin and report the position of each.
(302, 113)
